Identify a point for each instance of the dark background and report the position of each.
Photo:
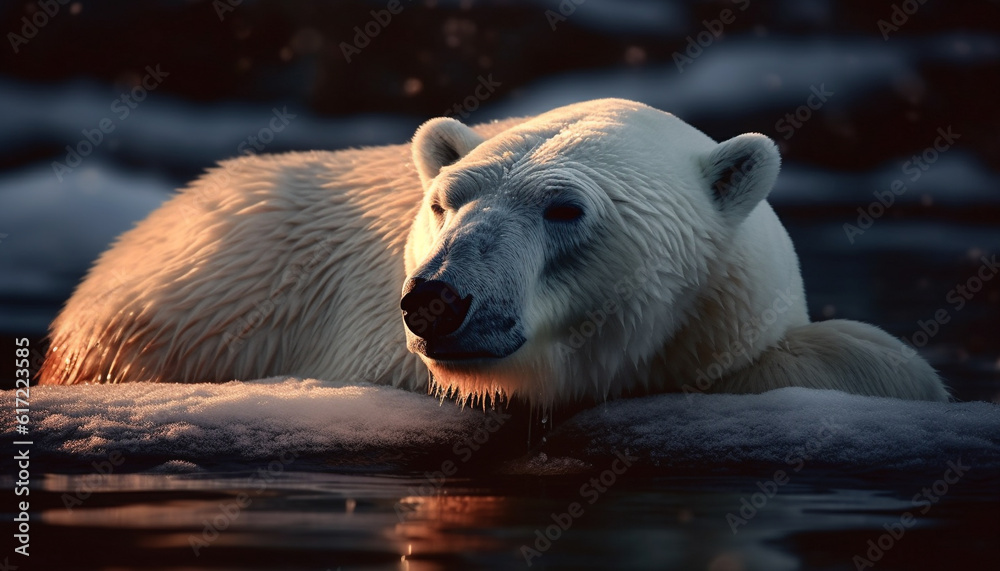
(229, 67)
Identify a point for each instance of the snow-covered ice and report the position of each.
(182, 427)
(792, 427)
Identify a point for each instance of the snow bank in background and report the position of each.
(732, 79)
(54, 230)
(630, 17)
(176, 135)
(743, 75)
(957, 178)
(369, 427)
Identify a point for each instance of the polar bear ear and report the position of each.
(439, 143)
(741, 173)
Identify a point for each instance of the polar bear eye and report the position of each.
(563, 213)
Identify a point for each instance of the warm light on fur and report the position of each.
(678, 275)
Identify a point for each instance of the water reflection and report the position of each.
(329, 521)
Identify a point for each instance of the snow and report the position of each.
(174, 135)
(733, 78)
(740, 76)
(793, 426)
(172, 428)
(197, 423)
(955, 179)
(53, 231)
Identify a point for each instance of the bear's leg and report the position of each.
(843, 355)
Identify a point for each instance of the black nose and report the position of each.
(432, 308)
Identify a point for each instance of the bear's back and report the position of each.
(266, 265)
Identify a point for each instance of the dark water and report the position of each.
(326, 521)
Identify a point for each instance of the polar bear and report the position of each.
(599, 250)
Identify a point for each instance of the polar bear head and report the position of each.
(559, 258)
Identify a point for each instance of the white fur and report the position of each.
(293, 264)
